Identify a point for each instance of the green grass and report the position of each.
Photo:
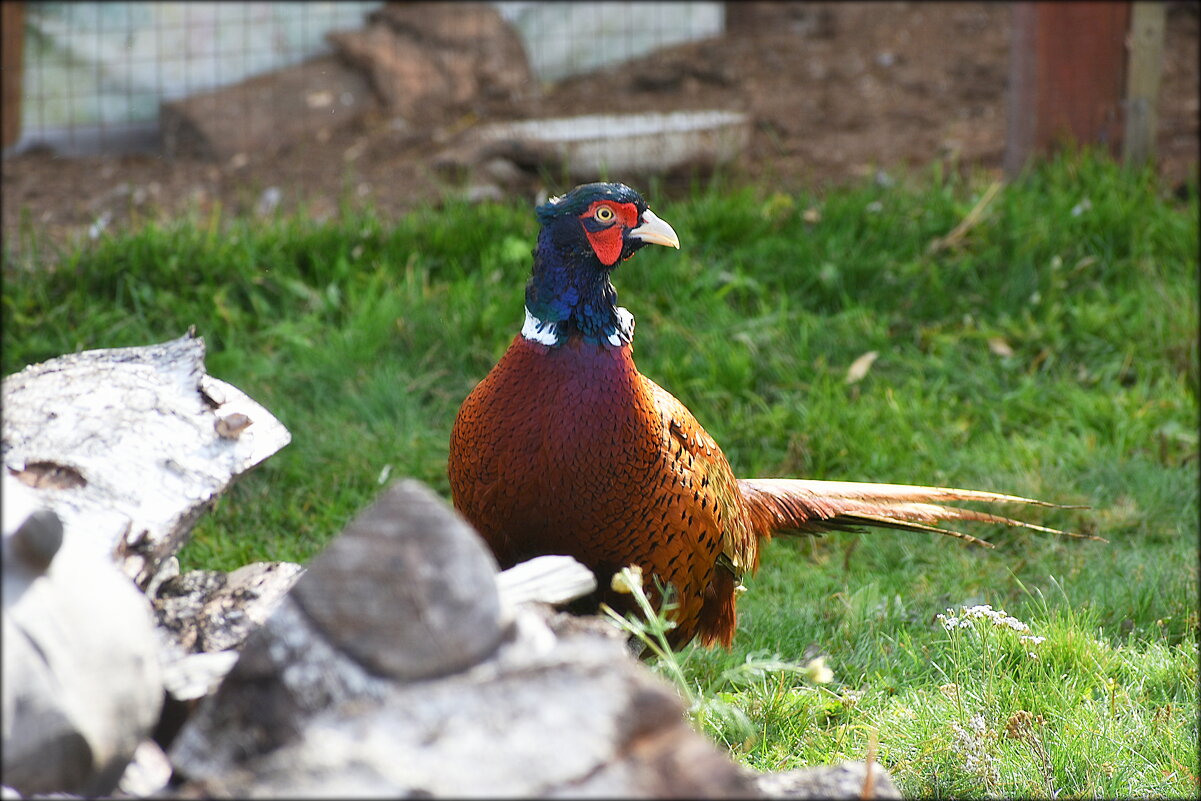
(364, 335)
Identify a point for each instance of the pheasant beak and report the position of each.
(655, 231)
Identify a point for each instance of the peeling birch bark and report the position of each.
(131, 445)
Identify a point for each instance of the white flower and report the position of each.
(626, 579)
(982, 612)
(818, 672)
(972, 746)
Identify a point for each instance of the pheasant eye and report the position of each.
(604, 214)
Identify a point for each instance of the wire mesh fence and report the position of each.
(96, 76)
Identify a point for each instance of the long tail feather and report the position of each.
(779, 505)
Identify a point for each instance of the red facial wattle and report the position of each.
(608, 242)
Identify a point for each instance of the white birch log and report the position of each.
(81, 683)
(131, 445)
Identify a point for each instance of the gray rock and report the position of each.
(288, 672)
(408, 590)
(433, 60)
(544, 716)
(392, 668)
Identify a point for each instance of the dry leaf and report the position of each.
(1000, 347)
(860, 366)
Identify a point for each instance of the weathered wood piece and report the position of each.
(264, 114)
(1142, 81)
(148, 773)
(128, 446)
(206, 617)
(1066, 77)
(81, 679)
(12, 28)
(210, 611)
(849, 780)
(545, 579)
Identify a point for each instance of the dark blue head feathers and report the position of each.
(583, 238)
(577, 201)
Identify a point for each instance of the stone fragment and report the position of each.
(544, 716)
(409, 567)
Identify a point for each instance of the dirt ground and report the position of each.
(835, 91)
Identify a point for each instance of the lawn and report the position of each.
(1048, 349)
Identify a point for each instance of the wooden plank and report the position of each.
(12, 24)
(1142, 82)
(1067, 77)
(1020, 117)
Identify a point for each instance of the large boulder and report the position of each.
(429, 60)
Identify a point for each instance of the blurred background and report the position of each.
(152, 109)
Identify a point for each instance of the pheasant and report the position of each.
(565, 448)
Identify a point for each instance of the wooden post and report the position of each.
(12, 31)
(1067, 76)
(1142, 82)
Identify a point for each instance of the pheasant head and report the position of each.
(585, 235)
